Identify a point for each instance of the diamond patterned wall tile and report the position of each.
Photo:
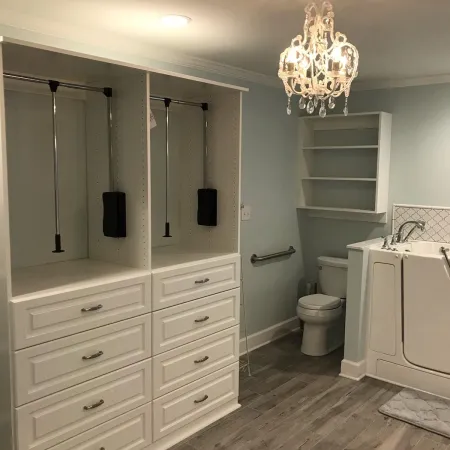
(437, 222)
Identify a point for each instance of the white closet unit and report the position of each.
(123, 343)
(344, 166)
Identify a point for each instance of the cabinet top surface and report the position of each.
(166, 257)
(47, 279)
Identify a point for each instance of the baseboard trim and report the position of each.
(270, 334)
(353, 370)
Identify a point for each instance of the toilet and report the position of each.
(323, 315)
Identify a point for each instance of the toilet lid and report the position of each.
(319, 302)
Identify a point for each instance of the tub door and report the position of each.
(426, 312)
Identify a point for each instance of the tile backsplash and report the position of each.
(437, 221)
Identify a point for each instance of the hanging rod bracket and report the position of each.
(54, 85)
(167, 102)
(107, 91)
(205, 106)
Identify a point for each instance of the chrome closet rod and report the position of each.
(82, 87)
(178, 102)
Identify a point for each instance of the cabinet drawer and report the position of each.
(51, 367)
(188, 322)
(130, 431)
(175, 410)
(47, 318)
(51, 420)
(190, 362)
(194, 280)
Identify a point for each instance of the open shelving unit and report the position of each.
(89, 258)
(344, 165)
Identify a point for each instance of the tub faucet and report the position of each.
(420, 224)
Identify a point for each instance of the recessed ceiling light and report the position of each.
(175, 20)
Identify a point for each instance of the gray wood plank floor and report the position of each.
(293, 402)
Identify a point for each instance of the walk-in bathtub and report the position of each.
(409, 316)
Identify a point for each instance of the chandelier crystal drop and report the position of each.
(320, 65)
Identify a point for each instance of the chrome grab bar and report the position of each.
(254, 258)
(444, 252)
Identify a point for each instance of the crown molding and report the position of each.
(397, 83)
(225, 70)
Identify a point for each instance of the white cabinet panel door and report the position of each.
(187, 282)
(130, 431)
(178, 367)
(46, 318)
(179, 325)
(174, 410)
(53, 419)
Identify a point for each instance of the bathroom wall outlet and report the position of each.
(246, 212)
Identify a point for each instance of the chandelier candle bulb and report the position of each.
(320, 65)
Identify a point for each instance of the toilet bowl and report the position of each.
(323, 324)
(323, 315)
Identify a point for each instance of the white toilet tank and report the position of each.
(333, 276)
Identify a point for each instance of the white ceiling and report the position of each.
(397, 39)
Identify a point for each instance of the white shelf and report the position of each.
(342, 147)
(325, 208)
(339, 179)
(350, 177)
(76, 274)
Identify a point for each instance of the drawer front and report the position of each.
(177, 409)
(174, 286)
(130, 431)
(190, 362)
(59, 315)
(179, 325)
(51, 367)
(51, 420)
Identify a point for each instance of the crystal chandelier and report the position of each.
(321, 65)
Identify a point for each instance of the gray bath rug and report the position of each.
(423, 410)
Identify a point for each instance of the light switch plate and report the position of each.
(246, 212)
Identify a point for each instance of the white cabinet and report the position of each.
(186, 404)
(185, 323)
(344, 166)
(43, 318)
(90, 333)
(179, 284)
(51, 367)
(51, 420)
(190, 362)
(130, 431)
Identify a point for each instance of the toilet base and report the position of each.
(321, 339)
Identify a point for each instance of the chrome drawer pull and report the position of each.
(202, 360)
(202, 281)
(92, 308)
(202, 400)
(93, 356)
(203, 319)
(95, 405)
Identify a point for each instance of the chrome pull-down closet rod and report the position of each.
(54, 85)
(167, 103)
(53, 88)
